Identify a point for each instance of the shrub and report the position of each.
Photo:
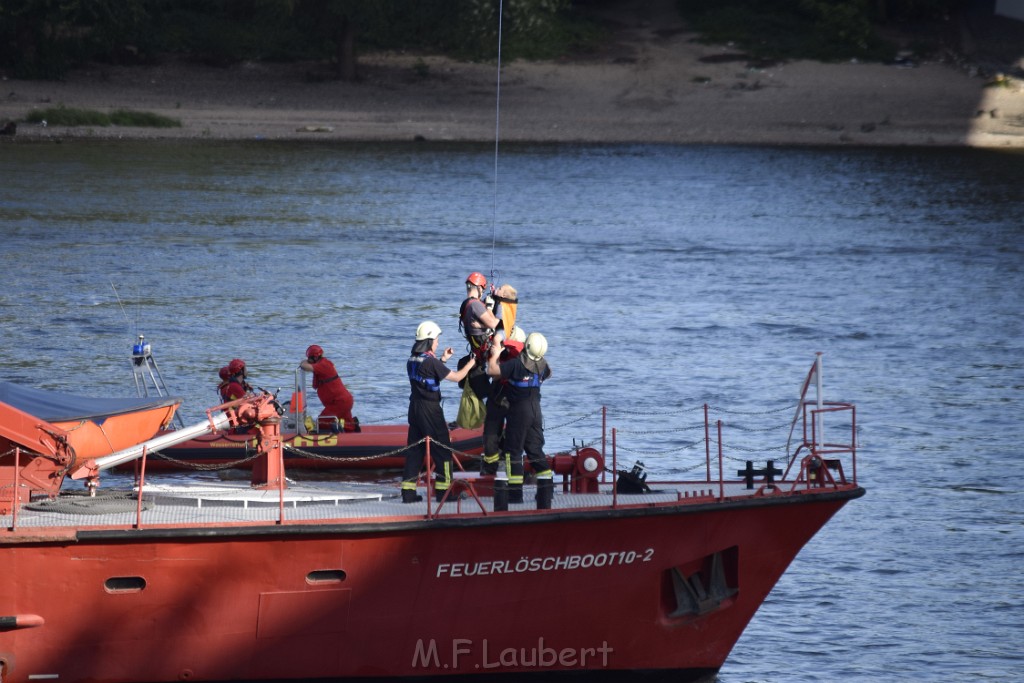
(71, 116)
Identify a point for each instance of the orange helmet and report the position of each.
(236, 366)
(225, 374)
(314, 351)
(477, 279)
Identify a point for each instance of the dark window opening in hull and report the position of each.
(326, 576)
(124, 584)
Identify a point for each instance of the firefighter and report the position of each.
(476, 320)
(426, 418)
(497, 411)
(524, 429)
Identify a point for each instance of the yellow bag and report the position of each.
(471, 409)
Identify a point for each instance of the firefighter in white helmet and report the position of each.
(524, 429)
(497, 410)
(426, 418)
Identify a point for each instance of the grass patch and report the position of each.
(142, 119)
(72, 116)
(68, 116)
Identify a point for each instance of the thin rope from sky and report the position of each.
(497, 131)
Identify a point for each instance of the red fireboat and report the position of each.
(624, 578)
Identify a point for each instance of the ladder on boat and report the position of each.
(148, 379)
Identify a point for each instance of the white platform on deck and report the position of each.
(243, 495)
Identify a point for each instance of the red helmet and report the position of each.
(477, 279)
(314, 351)
(236, 366)
(225, 374)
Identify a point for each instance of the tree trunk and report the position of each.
(346, 50)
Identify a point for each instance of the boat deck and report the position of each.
(200, 504)
(236, 503)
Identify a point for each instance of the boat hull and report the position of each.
(375, 447)
(660, 591)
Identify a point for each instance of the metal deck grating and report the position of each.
(212, 504)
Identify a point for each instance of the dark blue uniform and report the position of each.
(426, 418)
(524, 426)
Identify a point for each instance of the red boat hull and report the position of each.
(530, 595)
(375, 447)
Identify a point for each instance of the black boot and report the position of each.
(545, 492)
(488, 467)
(515, 493)
(411, 496)
(500, 493)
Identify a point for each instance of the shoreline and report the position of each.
(658, 86)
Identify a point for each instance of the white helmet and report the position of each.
(536, 346)
(518, 334)
(427, 329)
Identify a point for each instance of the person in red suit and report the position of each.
(330, 389)
(237, 386)
(225, 380)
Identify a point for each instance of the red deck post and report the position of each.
(615, 472)
(721, 475)
(140, 471)
(430, 468)
(604, 433)
(16, 502)
(279, 455)
(853, 440)
(268, 470)
(707, 443)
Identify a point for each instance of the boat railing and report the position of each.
(817, 463)
(296, 408)
(822, 462)
(814, 465)
(729, 467)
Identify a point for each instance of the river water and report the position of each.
(663, 277)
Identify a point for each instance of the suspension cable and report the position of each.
(497, 137)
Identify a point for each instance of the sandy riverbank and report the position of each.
(656, 84)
